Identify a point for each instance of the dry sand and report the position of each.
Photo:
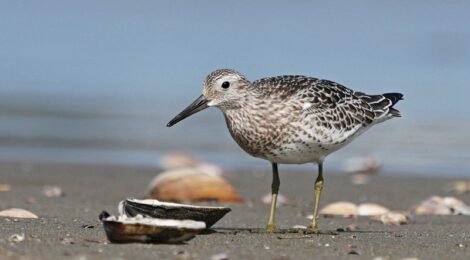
(68, 226)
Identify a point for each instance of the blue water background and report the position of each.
(96, 81)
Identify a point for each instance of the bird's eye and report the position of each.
(225, 85)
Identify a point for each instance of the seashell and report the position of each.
(436, 205)
(52, 191)
(302, 227)
(219, 256)
(125, 229)
(17, 213)
(457, 207)
(16, 238)
(341, 208)
(371, 209)
(166, 210)
(393, 218)
(431, 206)
(188, 185)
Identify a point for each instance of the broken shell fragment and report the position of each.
(168, 210)
(188, 185)
(371, 209)
(431, 206)
(125, 229)
(16, 238)
(436, 205)
(17, 213)
(340, 208)
(52, 191)
(393, 218)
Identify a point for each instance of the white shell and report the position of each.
(17, 213)
(158, 222)
(436, 205)
(340, 208)
(393, 218)
(371, 209)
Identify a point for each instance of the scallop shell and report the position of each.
(166, 210)
(371, 209)
(125, 229)
(340, 208)
(188, 185)
(17, 213)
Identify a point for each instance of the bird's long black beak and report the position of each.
(199, 104)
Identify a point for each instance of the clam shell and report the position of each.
(188, 185)
(17, 213)
(340, 208)
(371, 209)
(166, 210)
(125, 229)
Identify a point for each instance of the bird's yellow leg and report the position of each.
(317, 188)
(271, 227)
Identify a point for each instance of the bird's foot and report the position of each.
(316, 231)
(270, 228)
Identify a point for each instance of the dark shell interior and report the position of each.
(208, 215)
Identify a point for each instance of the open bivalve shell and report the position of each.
(124, 229)
(191, 184)
(167, 210)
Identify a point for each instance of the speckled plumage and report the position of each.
(295, 119)
(291, 119)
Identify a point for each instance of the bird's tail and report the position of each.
(382, 105)
(393, 98)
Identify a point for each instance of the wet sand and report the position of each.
(68, 226)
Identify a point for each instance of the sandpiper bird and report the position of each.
(291, 119)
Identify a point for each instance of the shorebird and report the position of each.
(291, 120)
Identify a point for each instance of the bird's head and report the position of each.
(223, 88)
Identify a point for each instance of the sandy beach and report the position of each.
(68, 226)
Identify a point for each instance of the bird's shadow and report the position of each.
(243, 230)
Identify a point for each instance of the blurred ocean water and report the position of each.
(132, 131)
(97, 81)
